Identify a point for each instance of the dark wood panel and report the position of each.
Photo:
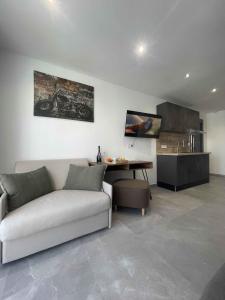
(167, 169)
(176, 118)
(127, 165)
(181, 187)
(192, 169)
(182, 171)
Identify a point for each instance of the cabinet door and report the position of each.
(204, 169)
(171, 117)
(167, 169)
(189, 169)
(176, 118)
(192, 169)
(191, 119)
(183, 170)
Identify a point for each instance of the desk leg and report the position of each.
(134, 174)
(145, 175)
(150, 195)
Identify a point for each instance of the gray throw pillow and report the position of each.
(24, 187)
(85, 178)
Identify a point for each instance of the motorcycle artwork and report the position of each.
(60, 98)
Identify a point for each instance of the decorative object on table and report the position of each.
(108, 160)
(114, 160)
(99, 155)
(121, 159)
(131, 193)
(131, 165)
(142, 125)
(56, 97)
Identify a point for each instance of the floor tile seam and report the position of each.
(163, 259)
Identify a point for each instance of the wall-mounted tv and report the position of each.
(143, 125)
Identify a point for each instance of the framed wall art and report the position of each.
(56, 97)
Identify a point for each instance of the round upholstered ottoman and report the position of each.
(131, 193)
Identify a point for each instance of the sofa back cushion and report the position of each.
(58, 168)
(85, 178)
(25, 187)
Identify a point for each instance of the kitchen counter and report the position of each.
(177, 171)
(183, 154)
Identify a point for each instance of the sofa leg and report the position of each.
(110, 218)
(142, 212)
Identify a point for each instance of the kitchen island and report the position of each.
(177, 171)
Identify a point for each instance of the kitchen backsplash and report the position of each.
(170, 142)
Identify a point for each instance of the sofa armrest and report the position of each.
(3, 205)
(107, 188)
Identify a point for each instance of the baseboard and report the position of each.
(219, 175)
(182, 187)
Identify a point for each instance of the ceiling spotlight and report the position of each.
(213, 90)
(141, 49)
(187, 75)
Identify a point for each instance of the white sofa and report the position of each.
(54, 218)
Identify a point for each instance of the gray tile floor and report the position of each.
(171, 253)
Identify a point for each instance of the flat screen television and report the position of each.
(143, 125)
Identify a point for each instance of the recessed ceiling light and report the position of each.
(141, 49)
(187, 75)
(213, 90)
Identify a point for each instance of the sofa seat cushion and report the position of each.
(52, 210)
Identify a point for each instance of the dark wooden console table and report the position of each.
(131, 165)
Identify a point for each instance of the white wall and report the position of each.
(23, 136)
(215, 141)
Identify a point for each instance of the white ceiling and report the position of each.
(99, 37)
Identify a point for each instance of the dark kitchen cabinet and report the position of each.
(176, 118)
(177, 172)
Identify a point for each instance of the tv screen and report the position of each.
(144, 125)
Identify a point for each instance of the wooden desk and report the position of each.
(131, 165)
